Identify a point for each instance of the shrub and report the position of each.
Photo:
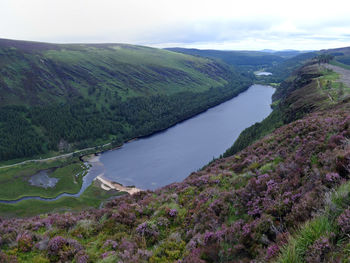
(272, 251)
(318, 251)
(61, 249)
(343, 221)
(24, 242)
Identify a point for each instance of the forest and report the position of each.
(32, 130)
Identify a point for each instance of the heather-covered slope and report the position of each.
(313, 87)
(65, 97)
(284, 198)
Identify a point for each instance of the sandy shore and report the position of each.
(105, 184)
(109, 185)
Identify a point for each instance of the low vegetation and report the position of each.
(93, 197)
(15, 181)
(239, 208)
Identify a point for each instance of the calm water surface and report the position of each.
(264, 73)
(170, 156)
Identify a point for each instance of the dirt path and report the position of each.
(344, 73)
(51, 158)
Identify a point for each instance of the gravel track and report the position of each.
(344, 73)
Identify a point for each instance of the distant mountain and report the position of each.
(286, 53)
(284, 69)
(247, 59)
(341, 56)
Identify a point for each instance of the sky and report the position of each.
(219, 24)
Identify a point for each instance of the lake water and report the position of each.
(170, 156)
(263, 73)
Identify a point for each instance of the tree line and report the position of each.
(27, 131)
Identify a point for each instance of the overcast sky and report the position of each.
(217, 24)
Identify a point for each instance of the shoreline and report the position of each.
(108, 185)
(67, 155)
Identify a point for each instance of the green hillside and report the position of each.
(86, 94)
(57, 73)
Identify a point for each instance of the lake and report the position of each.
(170, 156)
(263, 73)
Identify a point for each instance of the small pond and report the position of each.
(42, 179)
(263, 73)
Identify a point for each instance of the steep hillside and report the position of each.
(312, 87)
(283, 70)
(284, 198)
(37, 73)
(86, 94)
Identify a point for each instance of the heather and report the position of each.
(240, 208)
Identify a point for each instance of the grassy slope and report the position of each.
(57, 73)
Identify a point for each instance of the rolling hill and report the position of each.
(254, 59)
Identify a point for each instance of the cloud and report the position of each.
(222, 24)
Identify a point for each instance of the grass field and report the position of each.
(91, 198)
(14, 182)
(14, 185)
